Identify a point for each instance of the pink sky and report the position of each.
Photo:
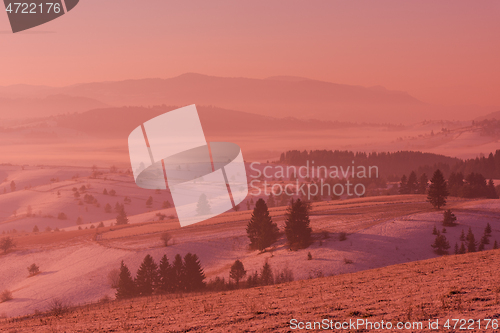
(444, 52)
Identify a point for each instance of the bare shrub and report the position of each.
(57, 307)
(5, 296)
(114, 277)
(166, 237)
(348, 261)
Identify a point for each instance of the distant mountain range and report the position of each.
(281, 96)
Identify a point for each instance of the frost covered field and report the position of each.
(74, 264)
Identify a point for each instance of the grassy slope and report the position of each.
(464, 286)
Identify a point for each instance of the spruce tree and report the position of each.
(435, 231)
(166, 275)
(146, 280)
(297, 229)
(438, 191)
(261, 230)
(178, 274)
(149, 202)
(193, 273)
(462, 236)
(487, 230)
(495, 245)
(403, 185)
(203, 207)
(126, 286)
(412, 184)
(237, 272)
(456, 249)
(449, 218)
(266, 275)
(471, 241)
(441, 245)
(462, 249)
(121, 218)
(422, 184)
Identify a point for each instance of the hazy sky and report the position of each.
(445, 52)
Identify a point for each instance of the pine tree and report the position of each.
(166, 276)
(237, 272)
(481, 246)
(261, 230)
(471, 241)
(178, 274)
(495, 245)
(449, 218)
(435, 231)
(35, 229)
(149, 202)
(412, 184)
(462, 236)
(193, 273)
(121, 218)
(203, 207)
(422, 184)
(438, 191)
(107, 208)
(441, 245)
(126, 286)
(456, 249)
(403, 185)
(491, 191)
(297, 229)
(266, 275)
(487, 230)
(147, 277)
(485, 240)
(462, 249)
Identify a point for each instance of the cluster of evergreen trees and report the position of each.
(468, 242)
(263, 232)
(398, 163)
(413, 185)
(180, 276)
(266, 276)
(473, 185)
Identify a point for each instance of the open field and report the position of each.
(381, 231)
(451, 287)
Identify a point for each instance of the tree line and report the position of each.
(393, 165)
(183, 275)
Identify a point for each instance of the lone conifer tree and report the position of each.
(441, 245)
(147, 277)
(193, 273)
(487, 230)
(121, 218)
(261, 230)
(149, 202)
(438, 191)
(203, 207)
(126, 286)
(495, 245)
(462, 236)
(297, 230)
(237, 272)
(449, 218)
